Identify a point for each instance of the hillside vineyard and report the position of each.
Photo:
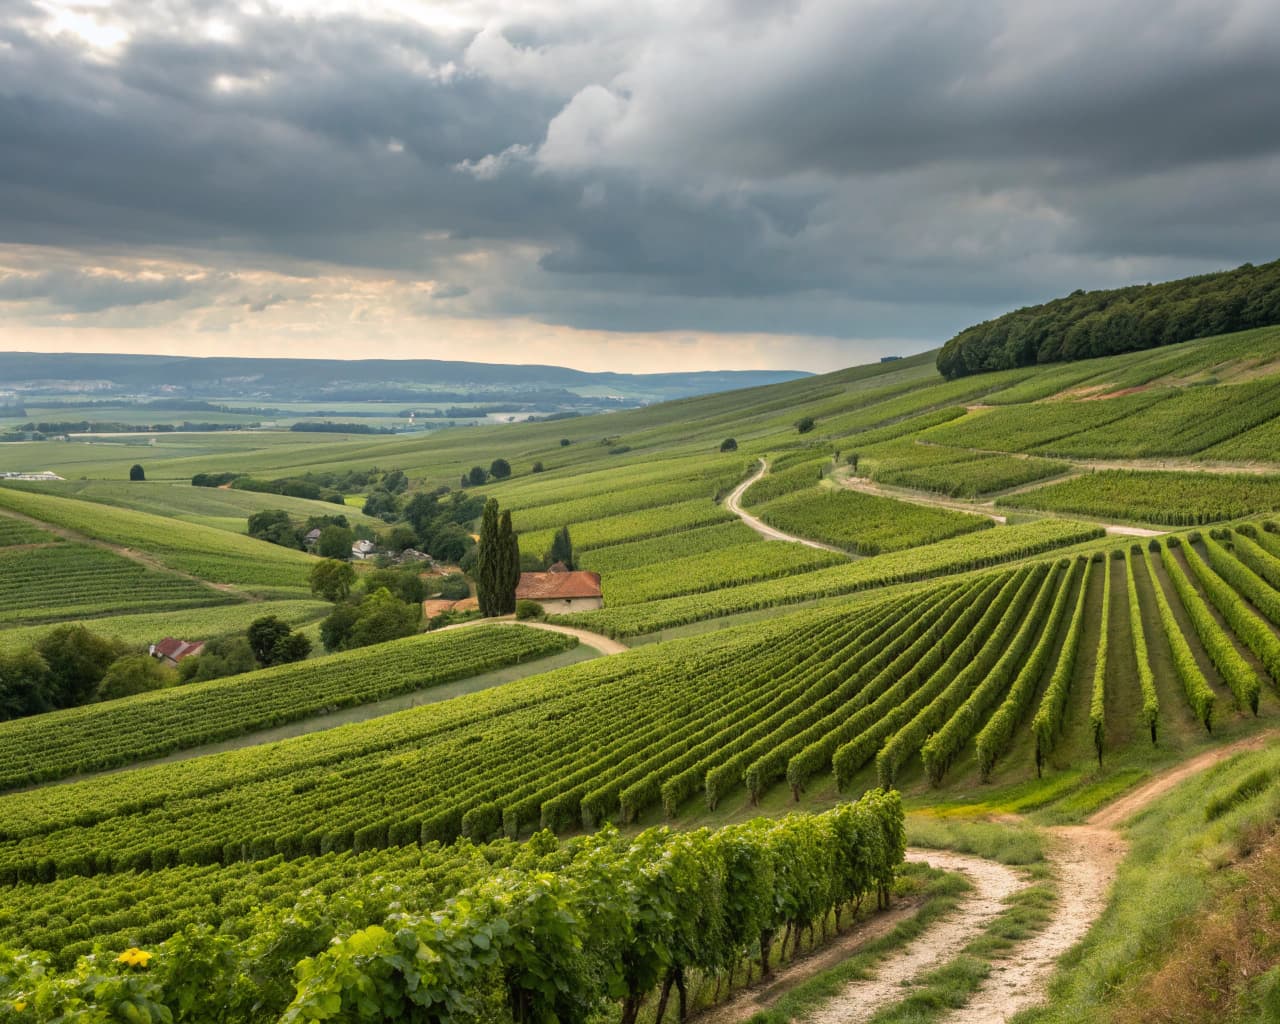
(873, 643)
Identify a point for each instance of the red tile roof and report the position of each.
(176, 650)
(557, 586)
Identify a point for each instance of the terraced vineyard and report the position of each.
(60, 581)
(1036, 668)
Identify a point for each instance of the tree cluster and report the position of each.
(497, 568)
(1106, 322)
(561, 549)
(276, 526)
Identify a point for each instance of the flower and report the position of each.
(20, 1005)
(134, 957)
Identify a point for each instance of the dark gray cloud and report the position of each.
(869, 169)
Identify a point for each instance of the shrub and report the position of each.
(500, 469)
(565, 442)
(526, 609)
(136, 473)
(729, 445)
(538, 467)
(805, 424)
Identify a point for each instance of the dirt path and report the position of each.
(992, 884)
(602, 643)
(1131, 803)
(734, 504)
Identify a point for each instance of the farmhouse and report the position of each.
(170, 651)
(559, 590)
(363, 550)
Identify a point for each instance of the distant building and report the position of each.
(363, 550)
(46, 475)
(171, 651)
(312, 538)
(560, 590)
(889, 359)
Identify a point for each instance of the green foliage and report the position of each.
(867, 523)
(526, 609)
(274, 643)
(77, 660)
(995, 736)
(562, 549)
(964, 474)
(990, 547)
(276, 527)
(1089, 324)
(133, 674)
(1194, 685)
(136, 472)
(1172, 499)
(332, 579)
(1098, 694)
(1239, 676)
(805, 424)
(220, 657)
(500, 469)
(121, 732)
(551, 932)
(335, 542)
(76, 580)
(797, 476)
(1047, 723)
(1138, 636)
(728, 445)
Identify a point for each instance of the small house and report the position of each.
(362, 550)
(312, 538)
(560, 590)
(170, 651)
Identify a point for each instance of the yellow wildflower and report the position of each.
(20, 1005)
(134, 957)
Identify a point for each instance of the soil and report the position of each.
(602, 643)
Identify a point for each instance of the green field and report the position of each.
(614, 822)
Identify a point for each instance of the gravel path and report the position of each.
(734, 504)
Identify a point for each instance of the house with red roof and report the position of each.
(560, 590)
(170, 651)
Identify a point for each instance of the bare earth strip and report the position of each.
(993, 883)
(602, 643)
(734, 504)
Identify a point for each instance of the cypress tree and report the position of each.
(562, 548)
(489, 562)
(509, 578)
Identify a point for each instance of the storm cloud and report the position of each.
(870, 176)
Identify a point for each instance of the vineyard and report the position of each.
(65, 580)
(865, 523)
(120, 732)
(1169, 499)
(526, 843)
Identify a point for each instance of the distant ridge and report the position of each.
(215, 376)
(1110, 321)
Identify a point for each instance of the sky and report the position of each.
(638, 186)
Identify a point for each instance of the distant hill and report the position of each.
(337, 379)
(1111, 321)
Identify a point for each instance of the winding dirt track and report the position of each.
(734, 504)
(1084, 859)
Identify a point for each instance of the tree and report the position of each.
(398, 538)
(221, 657)
(381, 504)
(729, 445)
(565, 442)
(335, 542)
(77, 661)
(853, 461)
(477, 476)
(805, 424)
(335, 630)
(294, 647)
(136, 472)
(274, 526)
(561, 549)
(395, 482)
(500, 469)
(274, 643)
(382, 617)
(488, 570)
(332, 579)
(509, 577)
(136, 673)
(538, 467)
(25, 684)
(406, 584)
